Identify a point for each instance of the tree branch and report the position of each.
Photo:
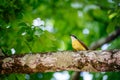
(95, 61)
(107, 39)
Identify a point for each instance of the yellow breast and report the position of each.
(77, 45)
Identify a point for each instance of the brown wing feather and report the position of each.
(83, 45)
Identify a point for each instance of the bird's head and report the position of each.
(73, 37)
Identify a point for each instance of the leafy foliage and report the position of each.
(88, 19)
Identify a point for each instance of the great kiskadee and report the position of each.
(77, 44)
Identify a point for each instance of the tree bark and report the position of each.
(92, 61)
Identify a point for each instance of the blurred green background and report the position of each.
(29, 26)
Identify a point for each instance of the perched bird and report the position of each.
(77, 44)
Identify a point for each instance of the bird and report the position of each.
(77, 45)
